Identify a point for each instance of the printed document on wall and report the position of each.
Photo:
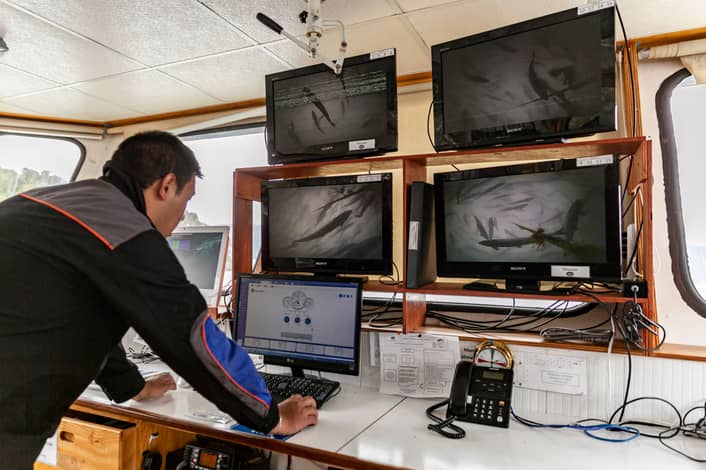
(415, 365)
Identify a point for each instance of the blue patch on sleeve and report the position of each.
(236, 362)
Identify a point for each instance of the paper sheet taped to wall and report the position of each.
(415, 365)
(550, 372)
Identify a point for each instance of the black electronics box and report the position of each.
(421, 254)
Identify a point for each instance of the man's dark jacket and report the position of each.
(79, 264)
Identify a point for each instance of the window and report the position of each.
(219, 154)
(28, 162)
(680, 105)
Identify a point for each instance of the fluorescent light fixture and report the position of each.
(3, 46)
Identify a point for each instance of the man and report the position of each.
(79, 264)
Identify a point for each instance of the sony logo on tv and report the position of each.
(518, 268)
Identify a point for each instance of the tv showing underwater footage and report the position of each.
(538, 221)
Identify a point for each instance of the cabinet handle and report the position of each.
(66, 436)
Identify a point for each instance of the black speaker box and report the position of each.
(421, 251)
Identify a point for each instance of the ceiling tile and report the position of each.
(54, 54)
(15, 82)
(286, 13)
(457, 20)
(151, 31)
(235, 76)
(150, 92)
(8, 108)
(410, 5)
(412, 55)
(71, 104)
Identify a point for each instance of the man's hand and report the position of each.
(296, 413)
(156, 386)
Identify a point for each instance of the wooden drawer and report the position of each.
(92, 442)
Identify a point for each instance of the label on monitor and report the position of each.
(581, 272)
(361, 144)
(594, 5)
(413, 235)
(594, 161)
(368, 178)
(382, 53)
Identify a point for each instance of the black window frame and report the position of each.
(81, 147)
(675, 218)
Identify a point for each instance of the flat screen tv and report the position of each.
(557, 220)
(540, 80)
(340, 224)
(314, 114)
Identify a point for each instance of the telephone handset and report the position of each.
(481, 395)
(480, 391)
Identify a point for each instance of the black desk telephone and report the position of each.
(479, 394)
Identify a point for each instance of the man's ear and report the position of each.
(166, 185)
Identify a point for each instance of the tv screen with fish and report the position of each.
(557, 220)
(314, 114)
(340, 224)
(541, 80)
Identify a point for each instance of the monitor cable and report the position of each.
(630, 70)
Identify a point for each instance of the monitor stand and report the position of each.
(518, 287)
(344, 277)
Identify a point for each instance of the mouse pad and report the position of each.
(242, 428)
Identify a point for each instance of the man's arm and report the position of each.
(144, 283)
(121, 381)
(119, 377)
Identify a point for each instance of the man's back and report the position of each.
(55, 325)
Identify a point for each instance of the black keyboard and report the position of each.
(284, 386)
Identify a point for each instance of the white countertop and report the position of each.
(401, 438)
(390, 430)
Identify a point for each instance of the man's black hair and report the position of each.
(149, 156)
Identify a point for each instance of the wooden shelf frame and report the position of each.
(246, 190)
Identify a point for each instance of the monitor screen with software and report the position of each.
(202, 252)
(299, 321)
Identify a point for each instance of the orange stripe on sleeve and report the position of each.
(203, 336)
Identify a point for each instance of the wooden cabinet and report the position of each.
(94, 443)
(408, 168)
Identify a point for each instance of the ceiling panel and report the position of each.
(150, 92)
(412, 55)
(410, 5)
(286, 13)
(234, 76)
(71, 104)
(459, 19)
(15, 82)
(150, 31)
(8, 108)
(54, 54)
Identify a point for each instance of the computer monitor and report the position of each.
(314, 114)
(558, 220)
(299, 321)
(539, 80)
(202, 252)
(334, 224)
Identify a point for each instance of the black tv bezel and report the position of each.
(323, 366)
(446, 141)
(608, 271)
(334, 150)
(382, 266)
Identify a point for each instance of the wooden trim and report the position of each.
(681, 351)
(669, 38)
(53, 120)
(216, 108)
(284, 447)
(413, 79)
(402, 80)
